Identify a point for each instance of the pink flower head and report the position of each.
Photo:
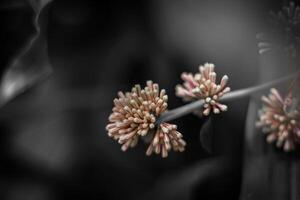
(134, 116)
(203, 86)
(279, 118)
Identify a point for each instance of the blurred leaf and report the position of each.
(206, 135)
(211, 178)
(31, 65)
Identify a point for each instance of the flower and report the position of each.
(203, 86)
(165, 138)
(283, 33)
(279, 118)
(134, 116)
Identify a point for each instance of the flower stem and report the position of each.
(188, 108)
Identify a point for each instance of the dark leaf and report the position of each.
(31, 65)
(210, 178)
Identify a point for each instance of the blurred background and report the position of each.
(53, 142)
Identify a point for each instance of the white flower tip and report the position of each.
(223, 107)
(124, 147)
(216, 111)
(151, 126)
(208, 99)
(206, 111)
(149, 82)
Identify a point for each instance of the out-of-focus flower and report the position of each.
(284, 31)
(279, 118)
(134, 116)
(203, 86)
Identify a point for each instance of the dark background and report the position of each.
(53, 143)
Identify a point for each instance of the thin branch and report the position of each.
(188, 108)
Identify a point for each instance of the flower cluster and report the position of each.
(203, 86)
(280, 120)
(134, 116)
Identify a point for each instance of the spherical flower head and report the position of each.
(279, 118)
(203, 86)
(134, 115)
